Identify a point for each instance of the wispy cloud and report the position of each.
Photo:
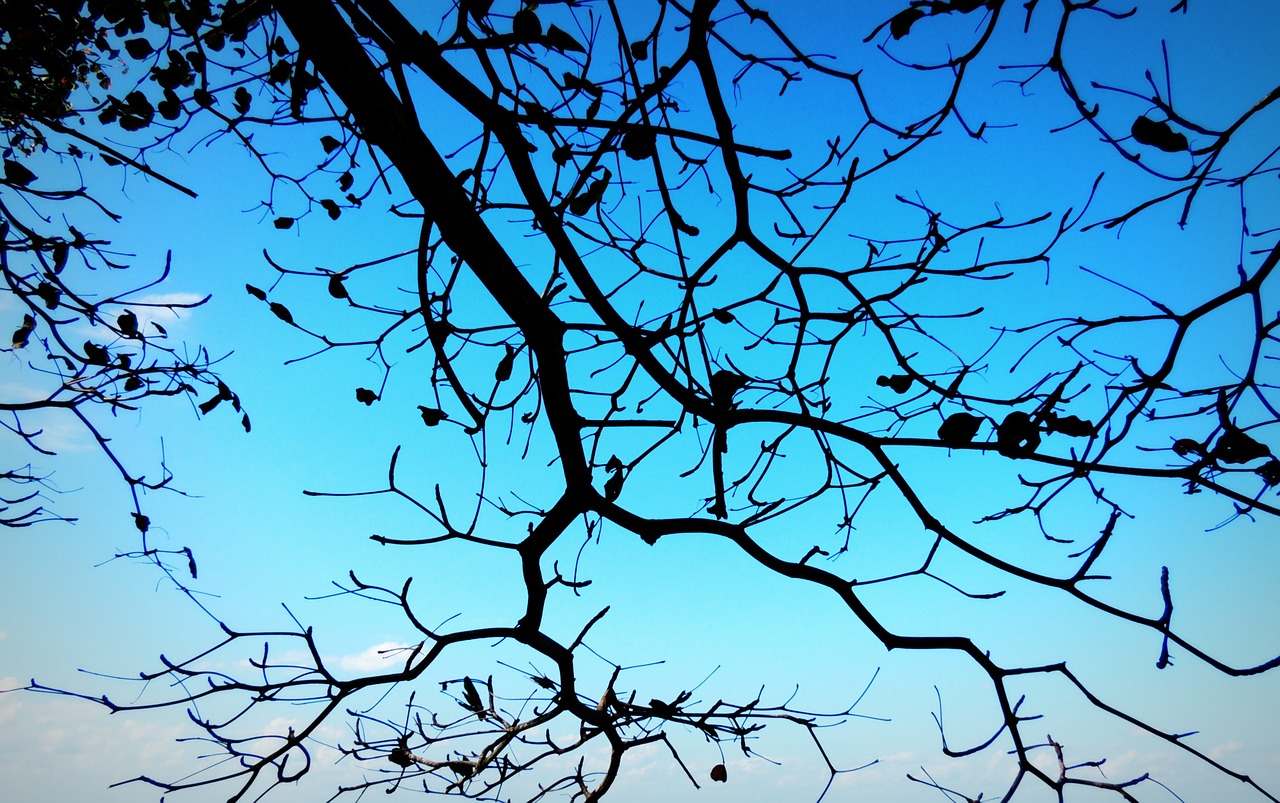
(155, 308)
(382, 656)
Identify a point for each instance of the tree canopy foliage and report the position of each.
(682, 270)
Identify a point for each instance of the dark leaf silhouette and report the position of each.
(141, 522)
(503, 372)
(959, 429)
(901, 23)
(724, 385)
(1017, 435)
(207, 406)
(719, 773)
(22, 335)
(128, 323)
(138, 48)
(613, 486)
(1235, 446)
(477, 9)
(1071, 425)
(49, 294)
(255, 292)
(281, 312)
(582, 203)
(1186, 446)
(431, 416)
(17, 173)
(283, 223)
(898, 383)
(244, 422)
(639, 143)
(171, 107)
(366, 396)
(471, 697)
(526, 26)
(1158, 134)
(400, 757)
(557, 39)
(336, 288)
(329, 143)
(95, 354)
(242, 100)
(331, 207)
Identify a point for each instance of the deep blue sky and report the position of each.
(689, 601)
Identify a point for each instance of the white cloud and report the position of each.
(60, 749)
(379, 657)
(156, 312)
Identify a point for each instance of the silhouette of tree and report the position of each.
(54, 269)
(642, 279)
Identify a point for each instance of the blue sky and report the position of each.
(689, 601)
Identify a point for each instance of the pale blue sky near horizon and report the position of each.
(689, 601)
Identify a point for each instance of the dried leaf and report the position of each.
(901, 23)
(898, 383)
(557, 39)
(128, 323)
(95, 354)
(613, 486)
(431, 416)
(503, 372)
(49, 294)
(336, 288)
(1236, 447)
(282, 312)
(1157, 133)
(526, 26)
(22, 335)
(959, 429)
(471, 696)
(138, 48)
(17, 173)
(1017, 435)
(1070, 425)
(640, 143)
